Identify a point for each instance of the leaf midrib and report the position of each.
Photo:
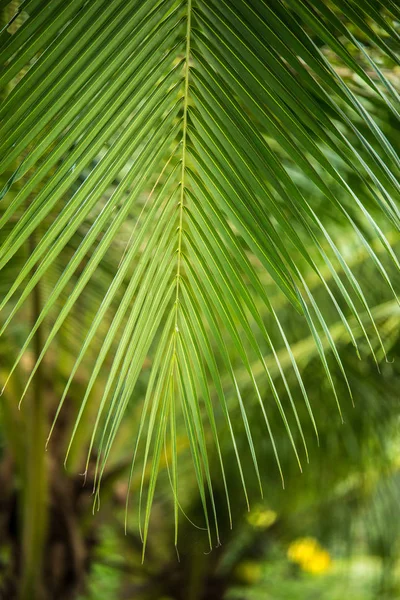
(183, 163)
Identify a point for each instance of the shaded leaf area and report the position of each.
(201, 156)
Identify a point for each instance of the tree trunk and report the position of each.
(68, 546)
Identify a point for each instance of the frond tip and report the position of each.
(217, 138)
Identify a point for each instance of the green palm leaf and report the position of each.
(173, 130)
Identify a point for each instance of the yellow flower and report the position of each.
(309, 555)
(261, 518)
(302, 549)
(319, 563)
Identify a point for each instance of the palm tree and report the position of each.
(173, 174)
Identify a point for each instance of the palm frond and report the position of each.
(193, 122)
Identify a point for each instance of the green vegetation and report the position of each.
(199, 231)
